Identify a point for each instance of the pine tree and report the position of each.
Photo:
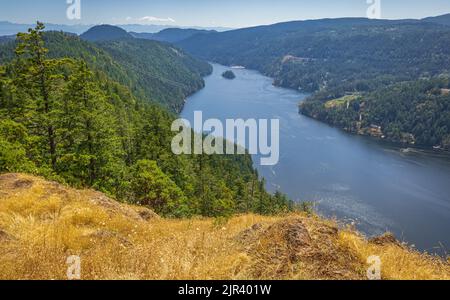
(90, 144)
(40, 83)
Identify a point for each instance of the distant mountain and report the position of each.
(443, 20)
(8, 38)
(8, 28)
(259, 46)
(105, 33)
(139, 28)
(318, 54)
(171, 35)
(143, 35)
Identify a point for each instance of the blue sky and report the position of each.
(211, 13)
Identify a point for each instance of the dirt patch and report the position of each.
(14, 181)
(385, 239)
(23, 183)
(297, 236)
(302, 246)
(5, 236)
(250, 235)
(113, 207)
(147, 214)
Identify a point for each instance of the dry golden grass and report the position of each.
(42, 223)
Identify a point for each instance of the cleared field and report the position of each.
(341, 101)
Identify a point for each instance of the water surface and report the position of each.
(353, 178)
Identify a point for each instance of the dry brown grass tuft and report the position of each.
(42, 223)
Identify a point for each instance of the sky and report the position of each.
(210, 13)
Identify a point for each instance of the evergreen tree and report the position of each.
(90, 145)
(39, 82)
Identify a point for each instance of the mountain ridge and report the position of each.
(101, 33)
(171, 35)
(11, 28)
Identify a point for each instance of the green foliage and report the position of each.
(157, 71)
(410, 112)
(13, 141)
(306, 207)
(61, 120)
(153, 188)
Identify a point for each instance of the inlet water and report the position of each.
(356, 179)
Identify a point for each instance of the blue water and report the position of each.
(353, 178)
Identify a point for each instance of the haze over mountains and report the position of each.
(157, 32)
(10, 28)
(170, 35)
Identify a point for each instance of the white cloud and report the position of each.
(156, 19)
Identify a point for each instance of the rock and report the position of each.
(114, 207)
(257, 226)
(384, 240)
(297, 236)
(147, 214)
(4, 236)
(23, 183)
(294, 233)
(249, 235)
(14, 181)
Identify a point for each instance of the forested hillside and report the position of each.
(160, 71)
(413, 112)
(341, 57)
(105, 33)
(154, 72)
(170, 35)
(65, 121)
(444, 19)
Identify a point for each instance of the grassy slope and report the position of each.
(42, 223)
